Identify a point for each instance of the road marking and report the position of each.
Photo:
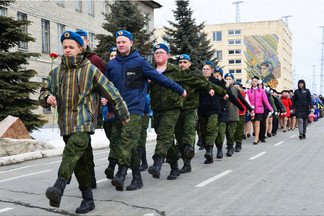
(258, 155)
(5, 209)
(105, 158)
(25, 167)
(292, 136)
(278, 143)
(214, 178)
(102, 152)
(149, 214)
(22, 176)
(102, 180)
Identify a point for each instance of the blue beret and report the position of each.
(73, 36)
(229, 75)
(112, 49)
(124, 33)
(209, 63)
(218, 70)
(184, 56)
(82, 32)
(161, 46)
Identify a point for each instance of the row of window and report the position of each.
(78, 5)
(219, 54)
(218, 35)
(46, 33)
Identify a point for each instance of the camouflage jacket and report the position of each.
(77, 84)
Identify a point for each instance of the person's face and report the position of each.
(207, 70)
(85, 42)
(161, 56)
(124, 45)
(184, 64)
(229, 80)
(218, 76)
(285, 94)
(112, 55)
(71, 48)
(300, 85)
(255, 83)
(264, 68)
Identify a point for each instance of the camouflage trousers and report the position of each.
(113, 151)
(185, 130)
(208, 129)
(230, 132)
(125, 139)
(143, 134)
(238, 137)
(164, 125)
(221, 134)
(77, 155)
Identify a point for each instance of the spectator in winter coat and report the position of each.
(302, 103)
(287, 103)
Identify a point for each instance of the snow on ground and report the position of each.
(52, 137)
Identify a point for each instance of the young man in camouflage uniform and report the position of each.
(185, 130)
(129, 72)
(74, 87)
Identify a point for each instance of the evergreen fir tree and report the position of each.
(185, 36)
(125, 15)
(15, 84)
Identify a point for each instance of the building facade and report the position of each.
(248, 49)
(50, 18)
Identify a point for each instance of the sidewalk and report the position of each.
(53, 138)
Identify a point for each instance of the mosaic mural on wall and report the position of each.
(262, 58)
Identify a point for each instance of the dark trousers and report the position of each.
(263, 126)
(275, 122)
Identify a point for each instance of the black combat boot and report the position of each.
(230, 150)
(219, 153)
(304, 136)
(155, 169)
(209, 155)
(137, 182)
(175, 171)
(238, 147)
(119, 179)
(87, 204)
(186, 166)
(188, 152)
(142, 155)
(110, 170)
(55, 193)
(93, 178)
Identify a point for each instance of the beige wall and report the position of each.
(263, 28)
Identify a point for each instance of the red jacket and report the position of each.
(287, 103)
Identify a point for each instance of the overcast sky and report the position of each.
(306, 18)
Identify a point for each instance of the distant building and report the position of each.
(248, 49)
(50, 18)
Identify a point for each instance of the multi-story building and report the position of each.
(248, 49)
(50, 18)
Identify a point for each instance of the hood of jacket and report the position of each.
(301, 81)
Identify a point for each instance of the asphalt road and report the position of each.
(284, 176)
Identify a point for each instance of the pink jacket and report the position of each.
(258, 99)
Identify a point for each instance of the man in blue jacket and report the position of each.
(129, 73)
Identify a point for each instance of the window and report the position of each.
(22, 16)
(234, 42)
(60, 2)
(45, 36)
(234, 32)
(90, 7)
(78, 5)
(60, 30)
(218, 54)
(91, 40)
(217, 36)
(3, 11)
(234, 61)
(239, 80)
(231, 71)
(238, 71)
(234, 52)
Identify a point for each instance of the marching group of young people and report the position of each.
(183, 102)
